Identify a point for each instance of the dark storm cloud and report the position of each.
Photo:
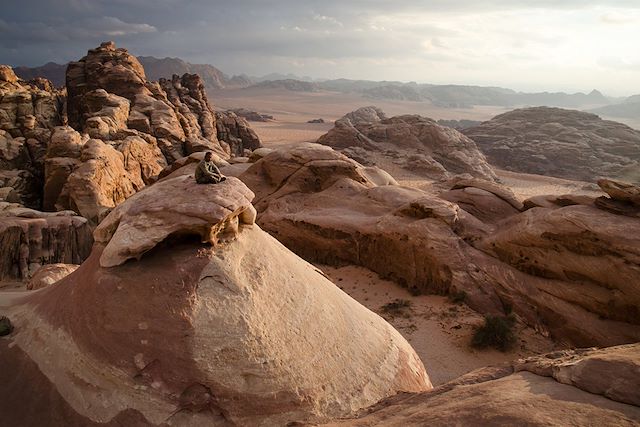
(35, 31)
(468, 40)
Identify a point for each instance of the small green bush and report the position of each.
(497, 332)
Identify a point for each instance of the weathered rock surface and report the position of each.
(191, 160)
(28, 113)
(563, 143)
(553, 201)
(30, 239)
(237, 132)
(49, 274)
(213, 212)
(176, 111)
(549, 266)
(621, 192)
(243, 333)
(581, 387)
(173, 111)
(107, 114)
(486, 200)
(99, 183)
(123, 132)
(595, 255)
(417, 145)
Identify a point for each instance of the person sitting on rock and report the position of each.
(207, 172)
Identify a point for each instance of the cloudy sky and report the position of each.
(522, 44)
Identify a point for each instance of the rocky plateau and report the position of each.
(557, 142)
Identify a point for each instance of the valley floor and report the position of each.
(438, 329)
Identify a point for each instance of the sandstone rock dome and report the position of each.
(242, 332)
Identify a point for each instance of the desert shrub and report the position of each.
(497, 332)
(414, 291)
(458, 297)
(397, 306)
(5, 326)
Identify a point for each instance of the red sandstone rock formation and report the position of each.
(568, 271)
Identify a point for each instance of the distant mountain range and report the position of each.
(154, 68)
(448, 96)
(629, 109)
(51, 71)
(461, 96)
(212, 77)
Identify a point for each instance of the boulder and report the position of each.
(107, 114)
(142, 158)
(417, 145)
(66, 142)
(237, 133)
(621, 191)
(486, 200)
(212, 212)
(99, 183)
